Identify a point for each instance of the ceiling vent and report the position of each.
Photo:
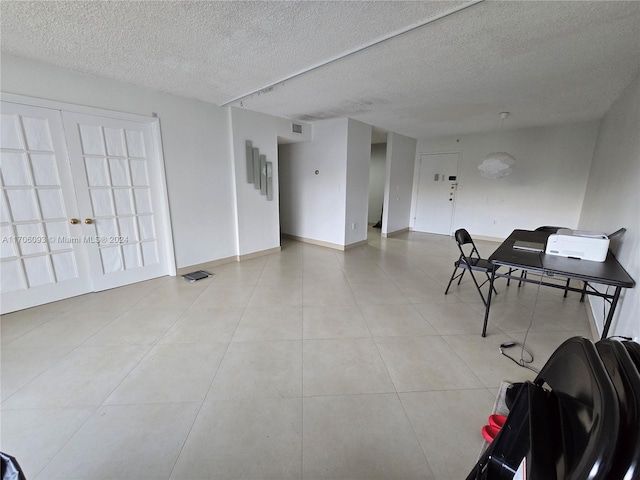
(296, 128)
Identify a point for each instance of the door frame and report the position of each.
(164, 211)
(417, 184)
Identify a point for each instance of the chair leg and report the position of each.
(464, 270)
(489, 280)
(455, 269)
(566, 288)
(478, 287)
(522, 275)
(508, 279)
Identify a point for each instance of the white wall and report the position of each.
(377, 178)
(196, 148)
(401, 155)
(313, 206)
(612, 200)
(258, 219)
(547, 185)
(357, 187)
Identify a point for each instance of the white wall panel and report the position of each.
(547, 185)
(612, 201)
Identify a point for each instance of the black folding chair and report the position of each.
(471, 261)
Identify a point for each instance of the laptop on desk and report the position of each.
(528, 246)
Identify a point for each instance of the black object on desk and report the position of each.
(609, 272)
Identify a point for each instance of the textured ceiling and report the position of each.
(545, 62)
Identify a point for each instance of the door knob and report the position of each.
(88, 221)
(74, 221)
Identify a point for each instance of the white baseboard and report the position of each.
(321, 243)
(224, 261)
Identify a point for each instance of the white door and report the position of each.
(117, 174)
(437, 188)
(40, 259)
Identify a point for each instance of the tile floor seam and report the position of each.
(53, 456)
(28, 331)
(151, 348)
(204, 398)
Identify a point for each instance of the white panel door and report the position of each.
(42, 258)
(437, 188)
(117, 174)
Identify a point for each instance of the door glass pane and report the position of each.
(128, 228)
(51, 203)
(111, 259)
(58, 234)
(36, 131)
(64, 266)
(139, 173)
(10, 277)
(114, 141)
(91, 138)
(131, 256)
(14, 169)
(149, 253)
(96, 169)
(31, 238)
(10, 132)
(106, 227)
(4, 213)
(8, 243)
(143, 202)
(22, 204)
(37, 270)
(45, 171)
(119, 173)
(101, 202)
(124, 205)
(135, 143)
(145, 222)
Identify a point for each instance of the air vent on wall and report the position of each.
(296, 128)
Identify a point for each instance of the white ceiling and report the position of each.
(545, 62)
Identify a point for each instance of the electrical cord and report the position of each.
(524, 362)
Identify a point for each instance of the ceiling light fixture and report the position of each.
(497, 164)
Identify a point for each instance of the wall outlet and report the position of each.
(353, 225)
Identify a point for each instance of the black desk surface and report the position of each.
(609, 272)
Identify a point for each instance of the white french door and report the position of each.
(113, 169)
(77, 220)
(39, 261)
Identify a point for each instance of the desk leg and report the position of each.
(612, 309)
(488, 306)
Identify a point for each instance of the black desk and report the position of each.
(609, 272)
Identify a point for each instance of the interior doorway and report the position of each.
(437, 190)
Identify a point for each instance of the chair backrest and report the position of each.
(463, 238)
(588, 407)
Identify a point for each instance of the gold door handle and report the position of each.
(88, 221)
(74, 221)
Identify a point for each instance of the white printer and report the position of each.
(578, 244)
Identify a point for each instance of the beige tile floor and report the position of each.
(306, 364)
